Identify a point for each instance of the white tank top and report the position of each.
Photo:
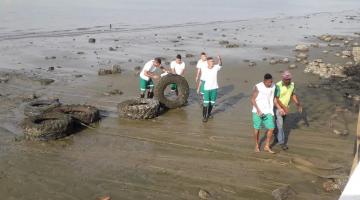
(265, 98)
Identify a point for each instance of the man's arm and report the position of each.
(297, 102)
(198, 74)
(219, 61)
(253, 101)
(278, 106)
(151, 75)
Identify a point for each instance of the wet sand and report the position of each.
(174, 155)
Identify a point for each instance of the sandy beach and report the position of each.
(175, 155)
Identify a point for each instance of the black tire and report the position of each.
(39, 107)
(139, 108)
(48, 126)
(182, 87)
(81, 113)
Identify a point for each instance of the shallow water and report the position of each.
(44, 15)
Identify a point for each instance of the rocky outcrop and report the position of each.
(325, 70)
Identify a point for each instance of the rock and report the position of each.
(326, 38)
(224, 42)
(252, 64)
(349, 64)
(330, 186)
(346, 42)
(246, 60)
(292, 66)
(285, 60)
(200, 33)
(80, 53)
(116, 69)
(46, 81)
(301, 47)
(284, 193)
(333, 45)
(356, 54)
(298, 59)
(51, 57)
(325, 51)
(273, 61)
(137, 68)
(78, 75)
(51, 69)
(346, 53)
(355, 44)
(302, 55)
(92, 40)
(337, 54)
(112, 49)
(203, 194)
(316, 45)
(4, 79)
(113, 92)
(337, 132)
(188, 55)
(232, 46)
(265, 48)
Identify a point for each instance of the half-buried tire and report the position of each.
(47, 126)
(39, 107)
(80, 113)
(182, 87)
(139, 108)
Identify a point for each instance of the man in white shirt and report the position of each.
(263, 100)
(177, 67)
(199, 80)
(147, 75)
(210, 86)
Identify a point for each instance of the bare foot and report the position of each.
(268, 150)
(257, 149)
(105, 198)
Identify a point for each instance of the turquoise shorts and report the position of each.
(267, 121)
(144, 84)
(202, 87)
(173, 86)
(210, 97)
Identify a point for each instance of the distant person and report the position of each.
(147, 75)
(199, 80)
(263, 110)
(177, 67)
(285, 91)
(211, 86)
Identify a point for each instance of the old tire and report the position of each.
(182, 86)
(139, 108)
(39, 107)
(47, 126)
(81, 113)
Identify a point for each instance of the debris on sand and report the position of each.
(232, 46)
(301, 48)
(50, 57)
(116, 69)
(203, 194)
(224, 42)
(92, 40)
(284, 193)
(113, 92)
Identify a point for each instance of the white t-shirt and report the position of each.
(265, 98)
(178, 67)
(201, 65)
(210, 77)
(149, 66)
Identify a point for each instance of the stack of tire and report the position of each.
(49, 119)
(140, 108)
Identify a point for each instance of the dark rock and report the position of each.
(203, 194)
(80, 52)
(112, 49)
(46, 81)
(188, 55)
(78, 75)
(51, 69)
(232, 46)
(224, 42)
(92, 40)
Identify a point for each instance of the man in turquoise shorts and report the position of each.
(263, 110)
(210, 87)
(147, 75)
(285, 91)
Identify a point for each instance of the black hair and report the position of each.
(209, 58)
(158, 60)
(267, 76)
(178, 56)
(203, 54)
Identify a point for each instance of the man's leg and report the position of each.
(206, 104)
(150, 84)
(257, 126)
(270, 126)
(213, 97)
(143, 86)
(280, 129)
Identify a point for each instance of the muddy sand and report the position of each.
(175, 155)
